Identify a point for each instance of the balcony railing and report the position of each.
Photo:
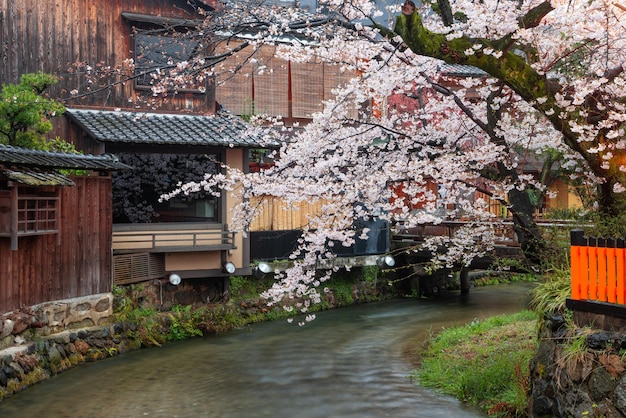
(171, 238)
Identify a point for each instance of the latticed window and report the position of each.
(37, 215)
(28, 214)
(25, 211)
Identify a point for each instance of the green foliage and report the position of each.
(370, 273)
(185, 322)
(550, 295)
(248, 288)
(606, 226)
(576, 348)
(484, 363)
(342, 289)
(25, 113)
(570, 214)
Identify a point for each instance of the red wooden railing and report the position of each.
(598, 268)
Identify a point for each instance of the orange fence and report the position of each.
(597, 268)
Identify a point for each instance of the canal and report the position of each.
(349, 362)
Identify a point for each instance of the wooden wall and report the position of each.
(75, 262)
(50, 35)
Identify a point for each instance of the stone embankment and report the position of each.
(578, 375)
(47, 339)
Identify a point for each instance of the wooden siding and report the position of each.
(75, 262)
(50, 35)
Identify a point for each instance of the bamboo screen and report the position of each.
(271, 84)
(262, 84)
(274, 215)
(234, 85)
(334, 77)
(307, 88)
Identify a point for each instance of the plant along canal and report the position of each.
(347, 363)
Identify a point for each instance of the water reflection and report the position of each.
(346, 363)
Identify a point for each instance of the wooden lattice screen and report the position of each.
(132, 268)
(261, 84)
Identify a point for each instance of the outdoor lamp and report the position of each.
(387, 261)
(228, 267)
(261, 270)
(174, 279)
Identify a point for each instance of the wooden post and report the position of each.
(579, 266)
(592, 268)
(611, 271)
(620, 254)
(465, 281)
(14, 215)
(601, 275)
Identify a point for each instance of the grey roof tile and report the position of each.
(222, 129)
(24, 157)
(36, 178)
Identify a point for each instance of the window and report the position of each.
(26, 211)
(160, 52)
(136, 193)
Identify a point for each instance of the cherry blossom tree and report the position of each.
(553, 90)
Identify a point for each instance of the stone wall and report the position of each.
(20, 326)
(29, 363)
(42, 340)
(578, 373)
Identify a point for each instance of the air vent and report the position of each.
(133, 268)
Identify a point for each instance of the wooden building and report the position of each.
(80, 40)
(55, 230)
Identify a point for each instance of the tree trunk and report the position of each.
(528, 235)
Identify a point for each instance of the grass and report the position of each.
(484, 363)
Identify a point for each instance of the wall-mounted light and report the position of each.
(174, 279)
(261, 270)
(228, 267)
(387, 261)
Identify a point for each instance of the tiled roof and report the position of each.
(36, 178)
(23, 157)
(37, 168)
(222, 129)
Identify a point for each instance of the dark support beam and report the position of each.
(14, 215)
(465, 281)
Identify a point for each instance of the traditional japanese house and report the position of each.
(104, 52)
(55, 226)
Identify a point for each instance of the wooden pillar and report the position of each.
(14, 215)
(465, 281)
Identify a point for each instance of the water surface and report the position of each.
(347, 363)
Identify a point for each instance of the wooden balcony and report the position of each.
(174, 237)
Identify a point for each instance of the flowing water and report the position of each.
(347, 363)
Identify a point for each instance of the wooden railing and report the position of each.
(171, 238)
(598, 268)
